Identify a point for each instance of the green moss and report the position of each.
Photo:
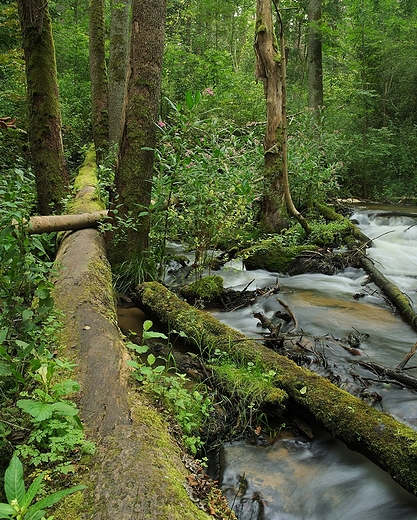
(271, 255)
(206, 289)
(250, 386)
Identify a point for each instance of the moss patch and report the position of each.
(271, 255)
(207, 289)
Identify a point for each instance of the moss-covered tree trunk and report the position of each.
(98, 77)
(273, 213)
(118, 59)
(44, 130)
(134, 172)
(389, 443)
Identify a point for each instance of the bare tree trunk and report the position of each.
(134, 171)
(273, 215)
(98, 77)
(315, 66)
(118, 60)
(44, 130)
(50, 224)
(288, 199)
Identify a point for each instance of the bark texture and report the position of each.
(118, 60)
(315, 66)
(134, 171)
(98, 77)
(269, 71)
(387, 442)
(137, 471)
(44, 130)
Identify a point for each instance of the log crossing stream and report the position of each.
(299, 478)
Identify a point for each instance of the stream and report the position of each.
(298, 478)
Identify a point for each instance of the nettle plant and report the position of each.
(191, 407)
(206, 174)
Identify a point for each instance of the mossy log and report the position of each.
(392, 292)
(137, 471)
(389, 443)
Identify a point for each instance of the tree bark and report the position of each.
(98, 77)
(44, 130)
(273, 215)
(389, 443)
(134, 172)
(315, 65)
(118, 60)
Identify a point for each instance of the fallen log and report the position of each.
(137, 471)
(392, 292)
(51, 223)
(389, 443)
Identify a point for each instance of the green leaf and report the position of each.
(6, 510)
(3, 334)
(31, 492)
(39, 411)
(5, 370)
(140, 349)
(38, 244)
(37, 515)
(14, 485)
(189, 101)
(50, 501)
(151, 359)
(64, 409)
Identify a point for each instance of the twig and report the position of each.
(290, 312)
(408, 357)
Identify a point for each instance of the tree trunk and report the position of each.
(44, 131)
(273, 215)
(315, 66)
(118, 60)
(137, 471)
(389, 443)
(98, 77)
(134, 171)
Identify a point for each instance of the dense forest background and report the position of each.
(364, 142)
(365, 138)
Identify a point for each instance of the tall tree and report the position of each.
(315, 65)
(133, 177)
(44, 131)
(273, 215)
(118, 59)
(98, 76)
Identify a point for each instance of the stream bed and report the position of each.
(299, 478)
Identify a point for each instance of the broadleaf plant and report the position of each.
(19, 500)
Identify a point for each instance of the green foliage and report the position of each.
(34, 387)
(207, 175)
(19, 500)
(190, 406)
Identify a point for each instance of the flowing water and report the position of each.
(298, 478)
